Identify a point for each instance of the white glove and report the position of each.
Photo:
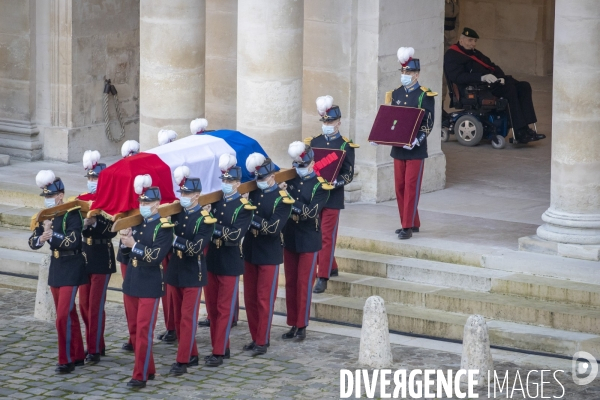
(408, 147)
(374, 144)
(489, 78)
(416, 143)
(501, 81)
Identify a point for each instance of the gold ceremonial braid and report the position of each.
(228, 234)
(150, 255)
(310, 213)
(68, 240)
(191, 246)
(266, 228)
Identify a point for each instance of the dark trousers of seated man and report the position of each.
(520, 101)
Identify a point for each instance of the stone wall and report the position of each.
(18, 130)
(518, 35)
(87, 40)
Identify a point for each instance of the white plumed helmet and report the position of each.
(180, 174)
(166, 136)
(129, 148)
(198, 125)
(90, 159)
(142, 182)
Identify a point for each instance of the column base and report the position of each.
(564, 227)
(536, 244)
(20, 139)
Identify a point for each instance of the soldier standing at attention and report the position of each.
(146, 246)
(409, 160)
(98, 248)
(331, 116)
(187, 273)
(302, 238)
(67, 269)
(263, 250)
(224, 260)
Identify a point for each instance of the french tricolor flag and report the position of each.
(199, 152)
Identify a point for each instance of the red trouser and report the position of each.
(123, 270)
(408, 175)
(299, 279)
(260, 291)
(236, 312)
(92, 297)
(330, 219)
(167, 302)
(221, 294)
(70, 342)
(186, 305)
(142, 313)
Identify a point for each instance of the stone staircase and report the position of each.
(532, 302)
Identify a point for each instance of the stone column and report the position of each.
(269, 74)
(221, 63)
(172, 47)
(574, 213)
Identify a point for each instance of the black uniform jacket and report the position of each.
(122, 258)
(302, 234)
(153, 240)
(411, 98)
(193, 231)
(263, 244)
(98, 247)
(463, 70)
(233, 215)
(346, 174)
(67, 262)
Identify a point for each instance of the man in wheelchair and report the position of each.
(467, 68)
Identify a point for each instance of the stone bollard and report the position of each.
(44, 303)
(476, 352)
(375, 350)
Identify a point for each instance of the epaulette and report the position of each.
(308, 140)
(429, 92)
(247, 205)
(208, 219)
(165, 223)
(324, 183)
(349, 141)
(286, 197)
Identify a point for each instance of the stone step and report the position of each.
(18, 217)
(4, 160)
(491, 305)
(468, 277)
(449, 325)
(20, 262)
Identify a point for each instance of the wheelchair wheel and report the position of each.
(468, 130)
(445, 134)
(498, 142)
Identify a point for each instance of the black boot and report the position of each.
(169, 337)
(301, 333)
(193, 361)
(135, 384)
(290, 334)
(214, 361)
(162, 335)
(397, 231)
(415, 229)
(534, 136)
(178, 369)
(522, 136)
(320, 286)
(334, 272)
(65, 368)
(226, 356)
(127, 347)
(79, 363)
(205, 323)
(92, 358)
(250, 346)
(405, 234)
(259, 350)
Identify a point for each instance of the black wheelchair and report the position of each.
(480, 115)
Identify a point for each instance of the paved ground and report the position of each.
(290, 370)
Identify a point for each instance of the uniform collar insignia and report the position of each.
(413, 87)
(153, 217)
(337, 135)
(309, 176)
(192, 210)
(269, 190)
(232, 197)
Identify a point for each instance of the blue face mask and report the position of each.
(405, 79)
(49, 202)
(302, 172)
(227, 188)
(145, 211)
(262, 185)
(92, 186)
(185, 202)
(328, 129)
